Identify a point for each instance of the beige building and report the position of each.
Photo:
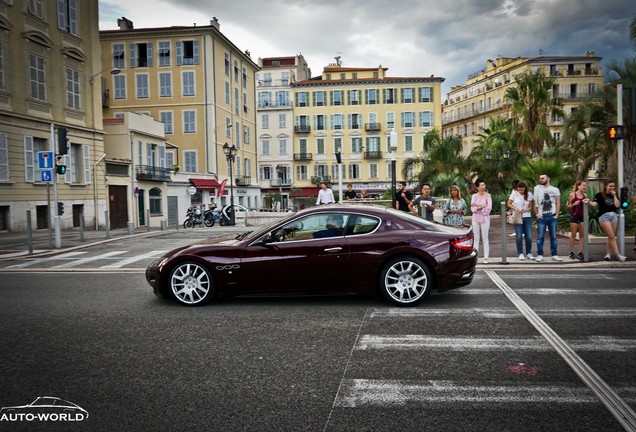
(49, 59)
(275, 125)
(353, 111)
(202, 88)
(468, 107)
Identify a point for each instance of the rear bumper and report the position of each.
(461, 273)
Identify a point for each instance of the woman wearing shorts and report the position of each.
(575, 203)
(608, 204)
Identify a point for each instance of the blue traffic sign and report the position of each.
(46, 176)
(45, 160)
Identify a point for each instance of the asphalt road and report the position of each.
(473, 359)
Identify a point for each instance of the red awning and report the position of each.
(209, 184)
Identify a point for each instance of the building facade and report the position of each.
(49, 59)
(468, 107)
(352, 111)
(202, 88)
(275, 125)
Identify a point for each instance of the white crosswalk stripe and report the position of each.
(38, 261)
(82, 261)
(130, 260)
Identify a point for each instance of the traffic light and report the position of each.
(61, 169)
(60, 208)
(616, 132)
(624, 197)
(62, 141)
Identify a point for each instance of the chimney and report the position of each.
(214, 22)
(124, 23)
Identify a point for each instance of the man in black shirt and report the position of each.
(349, 193)
(403, 198)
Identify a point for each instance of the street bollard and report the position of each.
(81, 223)
(29, 232)
(107, 224)
(504, 251)
(131, 228)
(586, 228)
(164, 224)
(147, 220)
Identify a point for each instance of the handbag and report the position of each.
(517, 218)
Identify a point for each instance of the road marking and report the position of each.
(612, 401)
(43, 260)
(89, 259)
(545, 291)
(363, 392)
(503, 313)
(127, 261)
(469, 343)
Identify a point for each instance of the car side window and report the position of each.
(322, 225)
(364, 225)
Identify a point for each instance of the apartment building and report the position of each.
(468, 107)
(196, 82)
(352, 111)
(275, 125)
(49, 57)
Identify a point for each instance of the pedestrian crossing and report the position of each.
(117, 259)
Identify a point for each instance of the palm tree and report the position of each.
(632, 30)
(532, 105)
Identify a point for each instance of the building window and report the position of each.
(354, 121)
(188, 52)
(408, 119)
(354, 97)
(227, 92)
(4, 158)
(407, 95)
(301, 172)
(390, 120)
(244, 77)
(187, 79)
(164, 53)
(282, 146)
(319, 122)
(236, 71)
(373, 171)
(426, 94)
(227, 64)
(408, 143)
(354, 171)
(265, 121)
(390, 96)
(140, 55)
(265, 146)
(371, 96)
(2, 85)
(320, 146)
(337, 145)
(337, 98)
(118, 56)
(154, 201)
(79, 164)
(246, 134)
(337, 121)
(36, 77)
(356, 145)
(67, 16)
(190, 161)
(319, 98)
(166, 119)
(426, 119)
(72, 88)
(302, 99)
(142, 86)
(237, 101)
(189, 121)
(120, 87)
(282, 121)
(165, 84)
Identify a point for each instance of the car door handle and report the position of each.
(333, 249)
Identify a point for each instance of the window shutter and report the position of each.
(4, 158)
(149, 54)
(179, 53)
(195, 50)
(87, 164)
(28, 159)
(133, 55)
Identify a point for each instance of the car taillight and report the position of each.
(464, 243)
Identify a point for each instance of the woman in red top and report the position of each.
(575, 203)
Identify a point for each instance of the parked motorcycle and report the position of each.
(194, 216)
(210, 216)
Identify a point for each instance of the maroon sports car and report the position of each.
(357, 249)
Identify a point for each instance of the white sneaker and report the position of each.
(556, 258)
(485, 260)
(622, 257)
(530, 256)
(522, 257)
(539, 258)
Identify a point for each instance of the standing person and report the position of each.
(481, 205)
(325, 195)
(403, 198)
(426, 201)
(608, 204)
(575, 203)
(455, 207)
(547, 207)
(349, 193)
(364, 195)
(521, 204)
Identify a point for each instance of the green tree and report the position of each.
(532, 106)
(632, 31)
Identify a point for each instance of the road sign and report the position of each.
(46, 176)
(45, 160)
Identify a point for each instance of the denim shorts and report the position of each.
(608, 217)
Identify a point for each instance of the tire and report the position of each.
(223, 221)
(405, 281)
(191, 284)
(188, 223)
(208, 223)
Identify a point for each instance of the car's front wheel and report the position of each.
(191, 284)
(405, 281)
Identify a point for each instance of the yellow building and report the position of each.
(353, 111)
(201, 87)
(468, 107)
(49, 57)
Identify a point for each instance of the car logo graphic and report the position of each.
(44, 408)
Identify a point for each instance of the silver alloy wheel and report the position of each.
(406, 281)
(191, 284)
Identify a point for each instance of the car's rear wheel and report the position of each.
(191, 284)
(405, 281)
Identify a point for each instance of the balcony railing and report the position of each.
(303, 156)
(321, 179)
(152, 173)
(274, 105)
(277, 182)
(372, 126)
(376, 154)
(243, 180)
(302, 129)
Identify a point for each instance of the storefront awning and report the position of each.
(208, 184)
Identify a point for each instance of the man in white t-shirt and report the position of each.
(325, 195)
(547, 206)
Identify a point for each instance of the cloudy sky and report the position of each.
(445, 38)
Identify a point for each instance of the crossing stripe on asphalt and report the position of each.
(127, 261)
(545, 291)
(48, 259)
(469, 343)
(363, 392)
(88, 259)
(503, 313)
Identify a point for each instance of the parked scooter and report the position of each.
(226, 215)
(210, 216)
(194, 216)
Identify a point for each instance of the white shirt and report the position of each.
(520, 202)
(325, 196)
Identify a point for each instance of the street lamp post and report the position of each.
(230, 155)
(280, 170)
(393, 146)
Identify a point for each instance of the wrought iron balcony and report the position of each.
(372, 126)
(302, 129)
(303, 156)
(277, 182)
(152, 173)
(321, 179)
(376, 154)
(243, 180)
